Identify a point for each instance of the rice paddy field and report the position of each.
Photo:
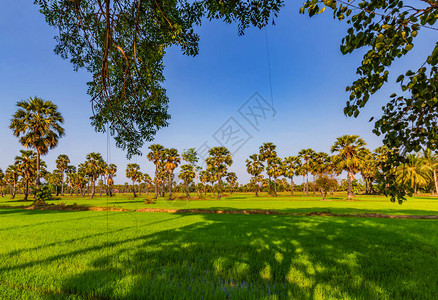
(50, 254)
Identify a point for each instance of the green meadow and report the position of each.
(131, 255)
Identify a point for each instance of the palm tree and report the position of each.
(187, 174)
(26, 166)
(306, 156)
(94, 167)
(351, 151)
(38, 125)
(11, 177)
(2, 182)
(171, 161)
(413, 172)
(147, 180)
(204, 176)
(430, 161)
(290, 167)
(231, 179)
(110, 172)
(133, 173)
(368, 170)
(266, 152)
(70, 173)
(218, 161)
(155, 156)
(275, 170)
(61, 164)
(255, 167)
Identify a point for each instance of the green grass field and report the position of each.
(300, 203)
(132, 255)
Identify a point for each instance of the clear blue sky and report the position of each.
(309, 76)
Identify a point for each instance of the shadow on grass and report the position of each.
(254, 256)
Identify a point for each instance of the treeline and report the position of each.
(38, 125)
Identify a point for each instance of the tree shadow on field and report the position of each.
(258, 256)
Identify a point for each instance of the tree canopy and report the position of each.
(122, 44)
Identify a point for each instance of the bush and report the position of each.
(43, 194)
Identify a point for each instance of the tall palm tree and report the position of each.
(94, 167)
(266, 152)
(26, 166)
(231, 179)
(351, 151)
(155, 155)
(133, 173)
(274, 170)
(61, 164)
(218, 161)
(38, 124)
(254, 167)
(306, 156)
(11, 177)
(430, 161)
(187, 174)
(290, 167)
(171, 160)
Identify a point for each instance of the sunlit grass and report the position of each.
(425, 205)
(52, 254)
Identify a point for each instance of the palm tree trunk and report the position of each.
(436, 181)
(219, 187)
(350, 194)
(62, 184)
(291, 186)
(27, 189)
(37, 180)
(93, 188)
(170, 186)
(275, 188)
(307, 184)
(133, 188)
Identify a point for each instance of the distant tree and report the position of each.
(38, 124)
(306, 156)
(11, 177)
(94, 166)
(110, 172)
(191, 157)
(368, 169)
(133, 173)
(231, 179)
(205, 178)
(266, 152)
(26, 166)
(430, 161)
(254, 167)
(61, 164)
(218, 161)
(290, 167)
(325, 184)
(155, 155)
(171, 160)
(351, 151)
(413, 172)
(147, 180)
(187, 174)
(275, 170)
